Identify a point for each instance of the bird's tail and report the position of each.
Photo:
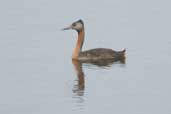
(124, 51)
(121, 55)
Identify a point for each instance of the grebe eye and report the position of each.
(74, 24)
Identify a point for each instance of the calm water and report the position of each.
(37, 74)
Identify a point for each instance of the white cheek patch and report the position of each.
(78, 26)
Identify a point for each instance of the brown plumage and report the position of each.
(97, 54)
(101, 54)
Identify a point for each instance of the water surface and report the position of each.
(38, 76)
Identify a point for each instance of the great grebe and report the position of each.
(96, 54)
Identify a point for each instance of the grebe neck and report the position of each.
(79, 44)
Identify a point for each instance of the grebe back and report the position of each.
(92, 54)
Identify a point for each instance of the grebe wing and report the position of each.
(98, 53)
(101, 53)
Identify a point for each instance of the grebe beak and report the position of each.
(67, 28)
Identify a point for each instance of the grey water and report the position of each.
(37, 74)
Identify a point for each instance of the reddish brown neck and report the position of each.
(79, 44)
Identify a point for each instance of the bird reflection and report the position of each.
(79, 87)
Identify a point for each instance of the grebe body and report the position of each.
(92, 54)
(101, 54)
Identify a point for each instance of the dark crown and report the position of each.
(80, 21)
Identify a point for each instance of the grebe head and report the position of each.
(78, 26)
